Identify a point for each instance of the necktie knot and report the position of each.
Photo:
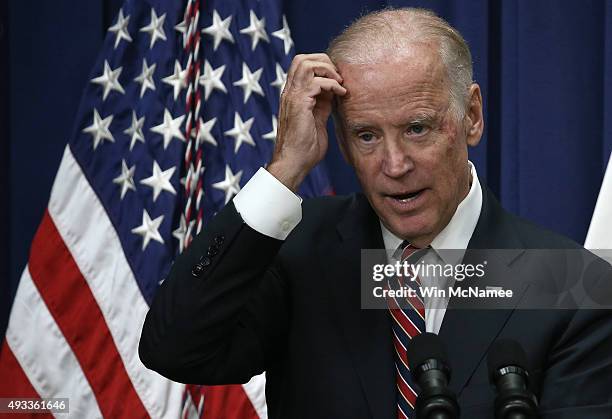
(405, 250)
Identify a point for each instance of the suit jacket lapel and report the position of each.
(367, 333)
(469, 332)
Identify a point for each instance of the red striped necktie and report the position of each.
(408, 317)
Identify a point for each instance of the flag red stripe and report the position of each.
(227, 402)
(18, 385)
(74, 308)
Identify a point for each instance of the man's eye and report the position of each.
(416, 129)
(366, 137)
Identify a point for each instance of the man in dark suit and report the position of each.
(272, 283)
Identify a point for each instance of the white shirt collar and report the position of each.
(458, 232)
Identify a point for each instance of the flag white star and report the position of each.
(155, 28)
(160, 181)
(149, 229)
(272, 134)
(182, 28)
(126, 179)
(284, 34)
(230, 185)
(182, 232)
(120, 29)
(241, 132)
(204, 134)
(109, 80)
(178, 79)
(99, 129)
(170, 128)
(146, 77)
(256, 30)
(219, 30)
(249, 82)
(135, 130)
(281, 79)
(211, 79)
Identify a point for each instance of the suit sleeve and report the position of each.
(577, 383)
(221, 315)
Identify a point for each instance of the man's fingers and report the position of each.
(329, 85)
(312, 82)
(304, 65)
(309, 69)
(317, 56)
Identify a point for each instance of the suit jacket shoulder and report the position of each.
(500, 229)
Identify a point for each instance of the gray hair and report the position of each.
(393, 31)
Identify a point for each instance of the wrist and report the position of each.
(289, 174)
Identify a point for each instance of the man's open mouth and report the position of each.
(406, 197)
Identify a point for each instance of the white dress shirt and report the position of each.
(272, 209)
(455, 236)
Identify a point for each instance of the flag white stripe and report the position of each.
(44, 354)
(88, 233)
(600, 232)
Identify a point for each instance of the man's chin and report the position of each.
(411, 229)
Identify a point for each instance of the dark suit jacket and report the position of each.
(237, 303)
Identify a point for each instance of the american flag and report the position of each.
(179, 114)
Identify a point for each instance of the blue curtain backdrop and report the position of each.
(545, 67)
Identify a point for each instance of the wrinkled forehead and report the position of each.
(420, 61)
(394, 80)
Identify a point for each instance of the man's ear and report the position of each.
(473, 117)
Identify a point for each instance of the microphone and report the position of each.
(428, 363)
(509, 374)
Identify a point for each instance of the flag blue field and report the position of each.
(179, 113)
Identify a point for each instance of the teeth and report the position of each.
(407, 197)
(410, 198)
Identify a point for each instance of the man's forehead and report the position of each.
(418, 56)
(398, 82)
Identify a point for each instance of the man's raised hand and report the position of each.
(305, 107)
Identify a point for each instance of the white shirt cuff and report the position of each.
(268, 206)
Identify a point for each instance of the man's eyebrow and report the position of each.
(423, 117)
(357, 126)
(420, 117)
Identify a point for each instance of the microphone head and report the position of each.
(505, 353)
(423, 347)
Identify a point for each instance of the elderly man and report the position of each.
(272, 283)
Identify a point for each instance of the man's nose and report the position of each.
(396, 159)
